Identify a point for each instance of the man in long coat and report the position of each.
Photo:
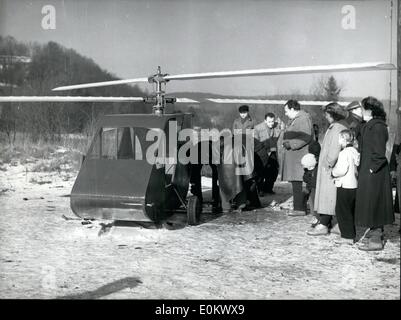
(237, 187)
(296, 138)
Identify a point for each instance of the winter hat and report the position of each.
(244, 108)
(335, 108)
(308, 160)
(353, 105)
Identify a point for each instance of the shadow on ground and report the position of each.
(115, 286)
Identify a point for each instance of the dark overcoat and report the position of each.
(374, 205)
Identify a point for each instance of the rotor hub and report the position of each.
(159, 79)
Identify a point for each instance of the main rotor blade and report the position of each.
(368, 66)
(185, 100)
(100, 84)
(275, 102)
(68, 99)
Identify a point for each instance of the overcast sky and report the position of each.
(131, 38)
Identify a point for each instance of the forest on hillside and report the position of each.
(53, 65)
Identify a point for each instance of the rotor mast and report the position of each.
(159, 79)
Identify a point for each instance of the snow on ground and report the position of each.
(264, 254)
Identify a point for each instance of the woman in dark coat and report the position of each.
(374, 205)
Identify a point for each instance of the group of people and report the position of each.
(347, 176)
(267, 135)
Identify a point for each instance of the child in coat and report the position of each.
(309, 163)
(345, 178)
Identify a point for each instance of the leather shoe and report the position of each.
(335, 230)
(371, 245)
(314, 221)
(319, 230)
(241, 207)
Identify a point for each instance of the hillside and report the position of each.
(53, 65)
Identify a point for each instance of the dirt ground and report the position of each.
(47, 253)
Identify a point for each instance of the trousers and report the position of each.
(345, 212)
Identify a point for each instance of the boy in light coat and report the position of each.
(345, 178)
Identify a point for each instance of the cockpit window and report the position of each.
(109, 143)
(119, 143)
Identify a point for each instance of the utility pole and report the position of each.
(398, 133)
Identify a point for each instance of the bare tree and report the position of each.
(326, 89)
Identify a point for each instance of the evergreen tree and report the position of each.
(332, 90)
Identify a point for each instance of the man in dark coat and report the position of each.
(244, 121)
(374, 201)
(268, 133)
(237, 190)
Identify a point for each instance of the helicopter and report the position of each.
(115, 182)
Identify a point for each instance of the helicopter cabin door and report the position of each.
(114, 177)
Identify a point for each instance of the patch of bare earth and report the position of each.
(262, 254)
